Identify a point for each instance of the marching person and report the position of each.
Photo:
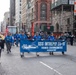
(17, 37)
(62, 37)
(45, 35)
(37, 37)
(23, 35)
(8, 41)
(29, 36)
(22, 38)
(51, 38)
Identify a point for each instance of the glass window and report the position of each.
(43, 11)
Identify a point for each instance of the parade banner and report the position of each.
(42, 46)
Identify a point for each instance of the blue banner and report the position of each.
(42, 46)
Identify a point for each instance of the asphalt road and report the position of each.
(45, 64)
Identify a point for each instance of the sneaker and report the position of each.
(10, 51)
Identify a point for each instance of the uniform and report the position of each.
(51, 38)
(8, 41)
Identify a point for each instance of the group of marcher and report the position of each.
(14, 39)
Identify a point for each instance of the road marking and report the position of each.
(50, 68)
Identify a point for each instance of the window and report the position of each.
(20, 0)
(43, 11)
(20, 12)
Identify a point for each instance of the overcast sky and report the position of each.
(4, 7)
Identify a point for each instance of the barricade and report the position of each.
(42, 46)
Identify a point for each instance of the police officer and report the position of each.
(8, 41)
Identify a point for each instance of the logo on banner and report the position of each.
(25, 46)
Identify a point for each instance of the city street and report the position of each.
(45, 64)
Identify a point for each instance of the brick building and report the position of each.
(43, 14)
(63, 15)
(36, 11)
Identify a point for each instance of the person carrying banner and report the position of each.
(51, 38)
(37, 37)
(22, 37)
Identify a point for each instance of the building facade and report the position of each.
(43, 14)
(6, 21)
(27, 15)
(62, 15)
(30, 13)
(12, 12)
(23, 14)
(18, 14)
(36, 12)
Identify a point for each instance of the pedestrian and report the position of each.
(71, 39)
(8, 40)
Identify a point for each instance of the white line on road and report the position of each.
(51, 68)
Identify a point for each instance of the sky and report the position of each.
(4, 7)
